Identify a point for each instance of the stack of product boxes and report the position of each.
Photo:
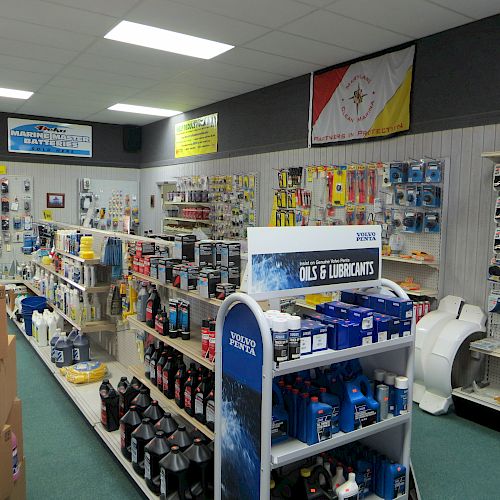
(12, 464)
(209, 266)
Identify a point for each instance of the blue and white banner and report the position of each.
(289, 261)
(49, 138)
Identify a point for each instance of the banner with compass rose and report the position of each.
(369, 98)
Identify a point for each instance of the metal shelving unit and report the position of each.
(394, 258)
(194, 221)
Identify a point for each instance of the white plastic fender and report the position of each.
(437, 397)
(427, 332)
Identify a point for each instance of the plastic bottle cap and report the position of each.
(294, 323)
(272, 312)
(401, 382)
(379, 374)
(280, 324)
(305, 472)
(390, 378)
(314, 399)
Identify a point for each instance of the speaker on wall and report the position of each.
(132, 138)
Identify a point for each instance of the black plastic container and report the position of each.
(167, 424)
(190, 385)
(159, 369)
(200, 458)
(168, 377)
(173, 474)
(142, 400)
(128, 424)
(140, 438)
(154, 451)
(153, 412)
(181, 438)
(180, 380)
(109, 407)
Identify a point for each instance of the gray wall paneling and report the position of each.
(469, 228)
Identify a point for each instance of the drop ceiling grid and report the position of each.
(54, 45)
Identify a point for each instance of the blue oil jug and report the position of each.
(334, 402)
(319, 421)
(394, 481)
(303, 404)
(279, 429)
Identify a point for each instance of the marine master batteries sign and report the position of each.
(49, 138)
(196, 137)
(308, 259)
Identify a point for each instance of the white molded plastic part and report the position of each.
(349, 489)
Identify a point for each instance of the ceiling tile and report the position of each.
(22, 80)
(193, 21)
(28, 50)
(116, 8)
(83, 86)
(415, 18)
(120, 118)
(192, 91)
(141, 55)
(57, 110)
(331, 28)
(209, 82)
(107, 77)
(477, 9)
(8, 63)
(169, 100)
(318, 3)
(43, 35)
(57, 16)
(263, 12)
(254, 59)
(9, 105)
(287, 45)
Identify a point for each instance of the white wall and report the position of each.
(469, 232)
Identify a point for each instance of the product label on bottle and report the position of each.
(152, 370)
(163, 482)
(165, 381)
(149, 312)
(76, 354)
(211, 348)
(323, 427)
(399, 486)
(367, 323)
(364, 416)
(205, 342)
(293, 344)
(104, 414)
(279, 428)
(319, 342)
(133, 450)
(122, 435)
(147, 361)
(177, 390)
(280, 341)
(187, 398)
(158, 326)
(147, 465)
(210, 414)
(198, 404)
(159, 379)
(366, 340)
(382, 336)
(59, 355)
(305, 345)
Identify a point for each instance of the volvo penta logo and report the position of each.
(366, 236)
(243, 343)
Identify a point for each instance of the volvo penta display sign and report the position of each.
(300, 260)
(49, 138)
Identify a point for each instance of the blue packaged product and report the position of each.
(364, 476)
(292, 408)
(319, 337)
(381, 323)
(394, 481)
(334, 401)
(400, 396)
(358, 408)
(362, 315)
(337, 309)
(405, 328)
(366, 337)
(279, 428)
(319, 421)
(331, 335)
(320, 308)
(294, 335)
(348, 334)
(398, 307)
(348, 297)
(335, 384)
(362, 300)
(382, 464)
(394, 327)
(306, 338)
(303, 404)
(378, 303)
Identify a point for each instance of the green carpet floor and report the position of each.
(454, 459)
(65, 457)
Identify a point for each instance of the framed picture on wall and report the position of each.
(55, 200)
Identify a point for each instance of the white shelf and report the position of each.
(423, 292)
(393, 258)
(484, 397)
(197, 221)
(93, 289)
(189, 293)
(90, 262)
(329, 356)
(493, 155)
(293, 450)
(191, 348)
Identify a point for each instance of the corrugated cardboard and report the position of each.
(15, 420)
(19, 490)
(8, 385)
(3, 324)
(6, 479)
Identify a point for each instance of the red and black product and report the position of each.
(122, 388)
(152, 306)
(200, 458)
(144, 433)
(147, 358)
(200, 397)
(211, 346)
(167, 424)
(158, 319)
(153, 412)
(192, 381)
(143, 400)
(162, 325)
(205, 338)
(181, 438)
(210, 409)
(311, 485)
(153, 361)
(180, 380)
(128, 424)
(109, 406)
(168, 376)
(173, 475)
(154, 451)
(159, 369)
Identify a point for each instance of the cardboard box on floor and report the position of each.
(8, 383)
(15, 420)
(3, 324)
(6, 479)
(19, 489)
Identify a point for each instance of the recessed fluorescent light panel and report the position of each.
(169, 41)
(144, 110)
(15, 94)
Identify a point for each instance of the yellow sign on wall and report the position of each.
(196, 137)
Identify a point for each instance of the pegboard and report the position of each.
(12, 250)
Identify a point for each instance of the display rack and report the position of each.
(246, 374)
(488, 396)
